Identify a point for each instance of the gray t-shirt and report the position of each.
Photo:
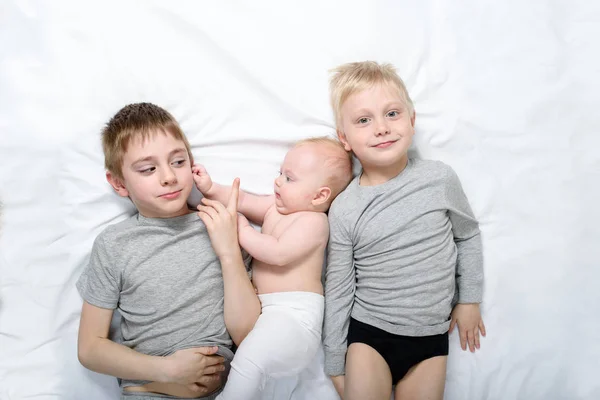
(396, 253)
(165, 279)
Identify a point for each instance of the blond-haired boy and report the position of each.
(287, 262)
(163, 269)
(402, 238)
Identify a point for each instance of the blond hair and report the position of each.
(138, 120)
(337, 162)
(351, 78)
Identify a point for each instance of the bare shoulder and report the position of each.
(312, 216)
(317, 222)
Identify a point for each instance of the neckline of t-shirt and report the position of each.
(385, 185)
(172, 221)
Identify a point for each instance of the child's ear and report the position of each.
(321, 197)
(117, 184)
(344, 141)
(413, 118)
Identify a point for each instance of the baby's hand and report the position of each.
(469, 321)
(202, 179)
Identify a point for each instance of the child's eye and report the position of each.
(393, 114)
(363, 120)
(179, 163)
(288, 179)
(148, 170)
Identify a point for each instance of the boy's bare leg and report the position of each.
(424, 381)
(368, 376)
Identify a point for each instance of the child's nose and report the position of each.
(168, 177)
(382, 128)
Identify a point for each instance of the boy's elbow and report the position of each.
(82, 355)
(239, 338)
(238, 335)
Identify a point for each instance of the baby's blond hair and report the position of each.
(351, 78)
(338, 162)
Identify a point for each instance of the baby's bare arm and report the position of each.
(253, 206)
(309, 231)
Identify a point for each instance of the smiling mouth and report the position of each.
(385, 144)
(171, 195)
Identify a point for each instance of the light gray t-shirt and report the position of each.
(396, 253)
(165, 279)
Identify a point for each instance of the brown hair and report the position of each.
(138, 120)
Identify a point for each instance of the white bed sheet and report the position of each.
(505, 92)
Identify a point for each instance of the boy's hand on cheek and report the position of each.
(470, 324)
(202, 179)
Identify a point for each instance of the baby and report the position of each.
(287, 260)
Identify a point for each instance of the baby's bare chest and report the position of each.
(276, 224)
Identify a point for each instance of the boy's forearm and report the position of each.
(467, 237)
(242, 307)
(469, 270)
(107, 357)
(339, 296)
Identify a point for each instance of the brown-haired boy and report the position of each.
(162, 269)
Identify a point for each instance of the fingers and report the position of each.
(471, 340)
(207, 351)
(452, 325)
(206, 380)
(214, 369)
(206, 219)
(463, 338)
(482, 327)
(212, 213)
(477, 343)
(234, 196)
(213, 360)
(198, 388)
(197, 179)
(199, 169)
(213, 204)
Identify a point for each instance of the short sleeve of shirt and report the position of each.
(100, 283)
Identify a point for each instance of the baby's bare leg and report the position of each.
(368, 376)
(424, 381)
